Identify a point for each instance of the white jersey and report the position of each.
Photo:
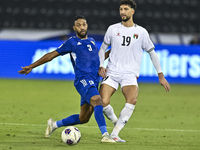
(127, 45)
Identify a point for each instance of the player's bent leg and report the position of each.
(83, 117)
(124, 116)
(130, 93)
(71, 120)
(106, 92)
(109, 113)
(85, 113)
(53, 125)
(96, 102)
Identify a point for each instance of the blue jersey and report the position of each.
(84, 57)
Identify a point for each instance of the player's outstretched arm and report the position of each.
(46, 58)
(25, 70)
(163, 82)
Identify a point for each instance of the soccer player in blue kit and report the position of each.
(85, 60)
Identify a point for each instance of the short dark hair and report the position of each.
(131, 3)
(79, 17)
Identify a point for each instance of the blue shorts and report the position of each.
(87, 89)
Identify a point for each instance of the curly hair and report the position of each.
(131, 3)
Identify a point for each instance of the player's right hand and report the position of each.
(25, 70)
(102, 72)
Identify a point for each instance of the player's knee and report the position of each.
(105, 103)
(132, 100)
(96, 100)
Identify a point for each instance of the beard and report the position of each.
(125, 20)
(81, 35)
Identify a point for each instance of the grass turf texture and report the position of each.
(161, 120)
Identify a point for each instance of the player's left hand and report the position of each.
(164, 82)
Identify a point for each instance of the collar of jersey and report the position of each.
(135, 25)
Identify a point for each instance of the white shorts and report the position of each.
(122, 80)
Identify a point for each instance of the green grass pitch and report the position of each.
(160, 121)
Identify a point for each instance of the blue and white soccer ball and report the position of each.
(71, 135)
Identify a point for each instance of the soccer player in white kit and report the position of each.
(127, 40)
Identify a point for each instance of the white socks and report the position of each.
(123, 118)
(109, 113)
(55, 125)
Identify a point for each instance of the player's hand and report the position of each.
(164, 82)
(25, 70)
(102, 72)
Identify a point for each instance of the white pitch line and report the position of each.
(147, 129)
(176, 130)
(22, 124)
(150, 129)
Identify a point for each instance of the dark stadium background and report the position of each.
(174, 23)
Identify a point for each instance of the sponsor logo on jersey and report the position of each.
(135, 36)
(79, 43)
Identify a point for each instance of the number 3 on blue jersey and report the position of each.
(89, 47)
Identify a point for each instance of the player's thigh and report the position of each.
(128, 79)
(130, 92)
(106, 92)
(85, 113)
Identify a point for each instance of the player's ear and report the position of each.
(133, 11)
(74, 28)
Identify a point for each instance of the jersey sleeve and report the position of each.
(108, 35)
(65, 48)
(147, 44)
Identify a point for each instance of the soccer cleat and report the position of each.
(107, 138)
(117, 139)
(50, 127)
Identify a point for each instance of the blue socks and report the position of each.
(74, 119)
(98, 114)
(71, 120)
